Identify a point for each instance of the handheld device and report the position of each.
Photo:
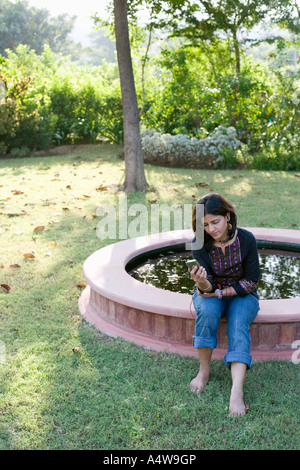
(191, 263)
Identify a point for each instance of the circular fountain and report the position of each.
(120, 306)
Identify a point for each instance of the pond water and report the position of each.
(280, 273)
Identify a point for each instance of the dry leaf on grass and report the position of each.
(102, 188)
(39, 228)
(17, 191)
(5, 287)
(28, 255)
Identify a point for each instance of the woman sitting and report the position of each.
(226, 286)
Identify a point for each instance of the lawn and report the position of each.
(65, 385)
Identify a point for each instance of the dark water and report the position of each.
(280, 274)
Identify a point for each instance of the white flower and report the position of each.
(180, 147)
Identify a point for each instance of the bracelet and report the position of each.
(207, 289)
(220, 296)
(203, 290)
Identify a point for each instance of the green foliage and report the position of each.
(52, 103)
(201, 92)
(185, 90)
(21, 123)
(85, 106)
(21, 23)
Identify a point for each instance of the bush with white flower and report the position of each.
(182, 150)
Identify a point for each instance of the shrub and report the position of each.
(20, 152)
(21, 126)
(182, 150)
(51, 102)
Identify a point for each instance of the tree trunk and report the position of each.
(237, 53)
(135, 179)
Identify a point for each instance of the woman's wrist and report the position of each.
(228, 292)
(204, 287)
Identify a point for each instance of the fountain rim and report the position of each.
(105, 272)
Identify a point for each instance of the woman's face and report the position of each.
(216, 226)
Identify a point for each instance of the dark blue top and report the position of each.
(238, 267)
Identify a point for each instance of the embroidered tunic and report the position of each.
(238, 267)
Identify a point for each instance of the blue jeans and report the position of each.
(239, 312)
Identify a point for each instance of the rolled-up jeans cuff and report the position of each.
(235, 356)
(207, 342)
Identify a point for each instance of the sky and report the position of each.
(81, 9)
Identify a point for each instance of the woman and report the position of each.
(226, 285)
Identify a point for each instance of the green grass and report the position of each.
(109, 394)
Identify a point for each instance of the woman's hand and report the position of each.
(199, 276)
(208, 294)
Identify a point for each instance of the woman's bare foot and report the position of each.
(199, 382)
(236, 405)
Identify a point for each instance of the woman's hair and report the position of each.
(214, 204)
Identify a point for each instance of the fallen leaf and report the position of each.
(202, 185)
(17, 191)
(39, 228)
(28, 255)
(52, 243)
(247, 408)
(262, 223)
(80, 285)
(16, 265)
(76, 349)
(85, 195)
(102, 188)
(70, 261)
(2, 266)
(5, 287)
